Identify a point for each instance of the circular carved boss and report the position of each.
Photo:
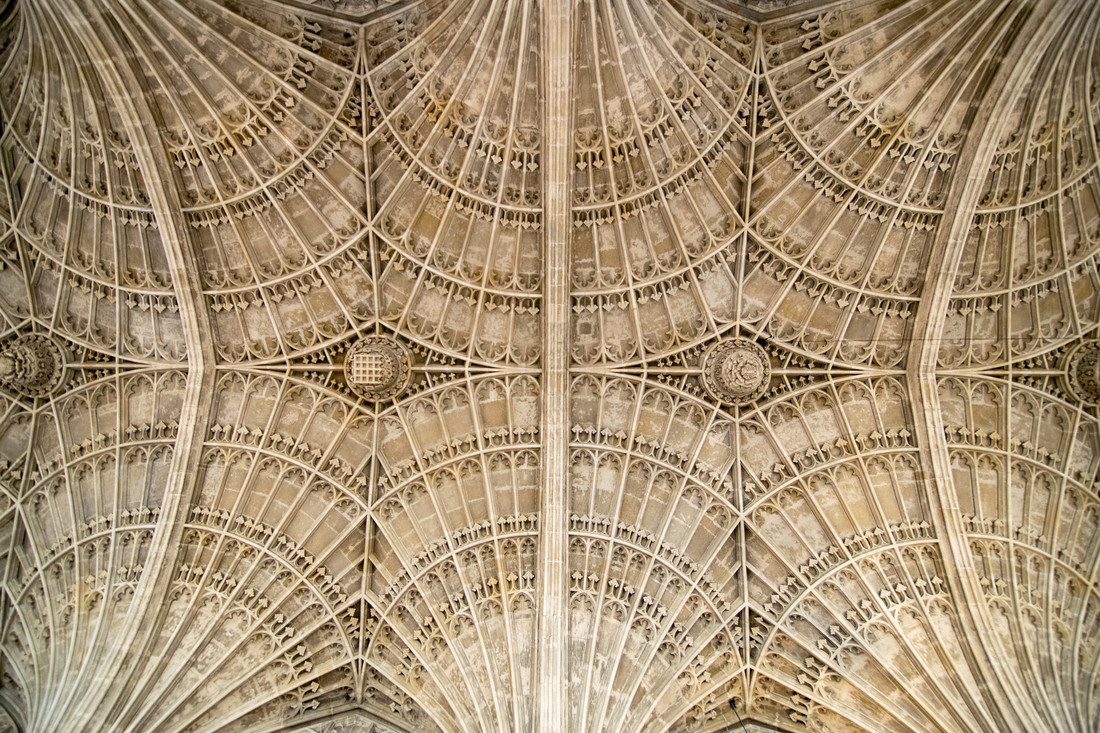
(1083, 372)
(32, 365)
(378, 367)
(736, 371)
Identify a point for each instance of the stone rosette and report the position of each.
(32, 365)
(1083, 372)
(378, 367)
(736, 371)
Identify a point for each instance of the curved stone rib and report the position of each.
(1033, 30)
(99, 28)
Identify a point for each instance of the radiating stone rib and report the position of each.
(1038, 26)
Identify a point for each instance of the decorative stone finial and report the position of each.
(1083, 372)
(736, 371)
(378, 367)
(32, 365)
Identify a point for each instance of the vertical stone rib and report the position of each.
(556, 30)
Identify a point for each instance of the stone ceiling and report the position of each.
(558, 365)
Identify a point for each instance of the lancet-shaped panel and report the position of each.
(874, 643)
(281, 463)
(260, 623)
(93, 465)
(261, 116)
(1024, 466)
(453, 559)
(861, 111)
(654, 556)
(1027, 281)
(454, 144)
(659, 148)
(725, 502)
(851, 618)
(82, 253)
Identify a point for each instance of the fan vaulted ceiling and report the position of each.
(559, 365)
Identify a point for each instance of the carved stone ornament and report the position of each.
(736, 372)
(1083, 372)
(378, 367)
(32, 365)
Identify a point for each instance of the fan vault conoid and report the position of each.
(549, 365)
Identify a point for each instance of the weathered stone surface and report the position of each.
(378, 367)
(547, 365)
(736, 371)
(32, 365)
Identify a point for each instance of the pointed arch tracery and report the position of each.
(378, 168)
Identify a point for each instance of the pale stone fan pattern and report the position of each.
(557, 365)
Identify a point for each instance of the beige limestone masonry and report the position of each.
(550, 365)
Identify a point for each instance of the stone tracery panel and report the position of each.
(846, 588)
(1027, 282)
(361, 169)
(267, 145)
(79, 514)
(873, 645)
(860, 119)
(76, 220)
(1025, 466)
(659, 150)
(453, 561)
(468, 616)
(655, 556)
(456, 194)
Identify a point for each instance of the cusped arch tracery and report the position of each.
(663, 636)
(884, 622)
(734, 171)
(76, 208)
(467, 611)
(454, 141)
(1027, 281)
